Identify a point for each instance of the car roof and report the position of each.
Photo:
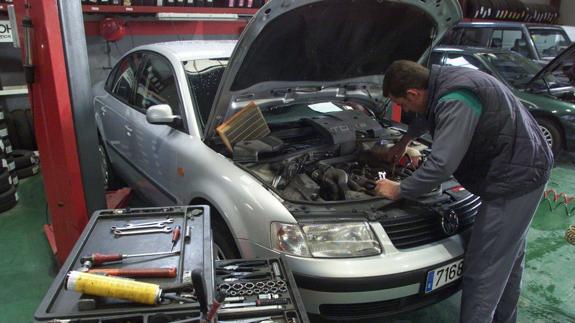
(470, 49)
(505, 24)
(192, 49)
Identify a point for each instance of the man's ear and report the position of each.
(412, 93)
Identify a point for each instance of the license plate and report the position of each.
(443, 275)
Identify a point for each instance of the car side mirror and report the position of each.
(161, 114)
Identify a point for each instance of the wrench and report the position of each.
(151, 226)
(146, 223)
(126, 233)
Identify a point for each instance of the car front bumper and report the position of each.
(368, 287)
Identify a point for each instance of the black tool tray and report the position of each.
(97, 237)
(267, 280)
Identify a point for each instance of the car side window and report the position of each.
(464, 60)
(509, 39)
(157, 85)
(472, 37)
(122, 80)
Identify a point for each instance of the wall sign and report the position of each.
(5, 31)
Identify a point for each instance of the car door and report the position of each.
(113, 108)
(155, 147)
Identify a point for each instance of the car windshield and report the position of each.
(296, 112)
(513, 68)
(549, 42)
(204, 76)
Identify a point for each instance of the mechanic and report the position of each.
(486, 139)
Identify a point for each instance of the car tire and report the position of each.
(111, 180)
(8, 199)
(224, 246)
(23, 158)
(5, 181)
(552, 134)
(27, 172)
(23, 135)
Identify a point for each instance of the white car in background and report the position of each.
(309, 73)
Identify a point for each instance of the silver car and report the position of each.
(278, 133)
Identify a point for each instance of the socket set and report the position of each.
(258, 290)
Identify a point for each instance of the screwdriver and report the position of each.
(176, 235)
(99, 258)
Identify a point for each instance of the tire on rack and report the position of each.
(28, 171)
(5, 181)
(23, 158)
(552, 134)
(8, 199)
(23, 132)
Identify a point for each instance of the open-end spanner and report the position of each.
(128, 228)
(126, 233)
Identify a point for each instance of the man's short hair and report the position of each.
(403, 75)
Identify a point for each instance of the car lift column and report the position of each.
(59, 90)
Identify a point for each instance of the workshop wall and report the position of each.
(567, 10)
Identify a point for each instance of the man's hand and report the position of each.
(388, 189)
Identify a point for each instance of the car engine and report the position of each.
(333, 157)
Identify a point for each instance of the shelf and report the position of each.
(155, 9)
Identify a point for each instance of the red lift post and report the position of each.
(53, 124)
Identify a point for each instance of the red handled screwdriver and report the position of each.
(99, 258)
(176, 235)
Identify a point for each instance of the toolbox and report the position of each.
(258, 290)
(103, 235)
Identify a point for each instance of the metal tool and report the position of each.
(188, 235)
(128, 228)
(167, 221)
(99, 259)
(145, 231)
(176, 235)
(259, 302)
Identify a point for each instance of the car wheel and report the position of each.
(224, 246)
(552, 135)
(111, 181)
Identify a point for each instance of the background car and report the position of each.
(549, 94)
(538, 42)
(280, 138)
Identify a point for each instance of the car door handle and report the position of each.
(128, 128)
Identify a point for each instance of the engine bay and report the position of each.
(333, 156)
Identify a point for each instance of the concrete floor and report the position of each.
(27, 268)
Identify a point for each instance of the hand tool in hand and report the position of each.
(99, 259)
(137, 272)
(176, 235)
(216, 303)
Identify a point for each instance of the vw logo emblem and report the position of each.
(450, 222)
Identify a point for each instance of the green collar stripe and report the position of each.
(469, 98)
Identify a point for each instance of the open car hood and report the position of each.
(568, 54)
(294, 43)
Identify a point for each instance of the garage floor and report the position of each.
(26, 266)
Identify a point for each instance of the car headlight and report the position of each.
(326, 240)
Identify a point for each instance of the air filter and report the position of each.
(248, 124)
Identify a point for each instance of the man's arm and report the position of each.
(417, 127)
(456, 121)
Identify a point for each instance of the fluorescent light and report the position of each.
(197, 16)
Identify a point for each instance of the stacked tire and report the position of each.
(511, 10)
(26, 163)
(8, 178)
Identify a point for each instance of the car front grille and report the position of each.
(416, 230)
